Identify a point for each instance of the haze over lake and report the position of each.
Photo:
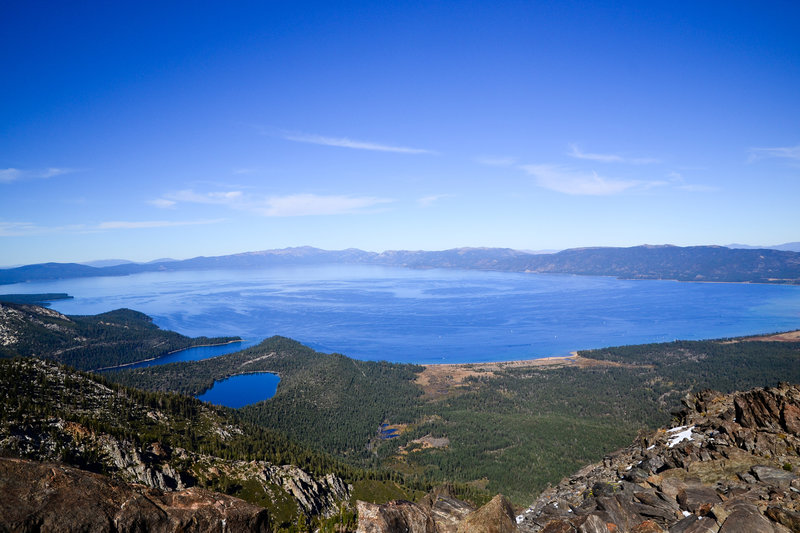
(430, 316)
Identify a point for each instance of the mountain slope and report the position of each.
(695, 263)
(162, 441)
(88, 342)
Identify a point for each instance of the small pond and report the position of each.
(241, 390)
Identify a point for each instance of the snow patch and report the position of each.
(680, 434)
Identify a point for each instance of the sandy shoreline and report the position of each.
(574, 359)
(517, 363)
(439, 379)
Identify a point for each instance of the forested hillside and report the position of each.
(501, 428)
(329, 400)
(172, 442)
(88, 342)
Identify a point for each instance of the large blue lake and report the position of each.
(434, 316)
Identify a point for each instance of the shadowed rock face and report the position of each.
(730, 466)
(52, 497)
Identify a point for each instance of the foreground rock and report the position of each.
(52, 497)
(438, 512)
(729, 465)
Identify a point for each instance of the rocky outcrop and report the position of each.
(315, 496)
(395, 516)
(72, 419)
(52, 497)
(437, 512)
(729, 465)
(497, 516)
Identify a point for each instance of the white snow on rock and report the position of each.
(680, 434)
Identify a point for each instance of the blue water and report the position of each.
(428, 316)
(196, 353)
(241, 390)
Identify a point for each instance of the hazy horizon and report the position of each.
(142, 132)
(103, 262)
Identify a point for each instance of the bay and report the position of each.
(436, 315)
(195, 353)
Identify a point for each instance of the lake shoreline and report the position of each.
(125, 365)
(575, 359)
(437, 380)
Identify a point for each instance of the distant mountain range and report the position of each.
(786, 247)
(694, 263)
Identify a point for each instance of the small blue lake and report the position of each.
(241, 390)
(236, 391)
(196, 353)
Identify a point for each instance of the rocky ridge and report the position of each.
(53, 414)
(730, 464)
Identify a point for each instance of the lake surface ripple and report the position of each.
(434, 316)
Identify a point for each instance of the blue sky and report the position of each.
(142, 130)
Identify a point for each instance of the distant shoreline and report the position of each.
(515, 363)
(123, 365)
(574, 359)
(195, 346)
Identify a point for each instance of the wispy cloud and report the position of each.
(240, 171)
(142, 224)
(163, 203)
(678, 181)
(696, 187)
(280, 206)
(345, 142)
(785, 152)
(230, 198)
(578, 182)
(312, 204)
(428, 201)
(496, 161)
(8, 175)
(22, 229)
(609, 158)
(17, 229)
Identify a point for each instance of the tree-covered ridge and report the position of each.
(88, 342)
(692, 263)
(327, 400)
(510, 429)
